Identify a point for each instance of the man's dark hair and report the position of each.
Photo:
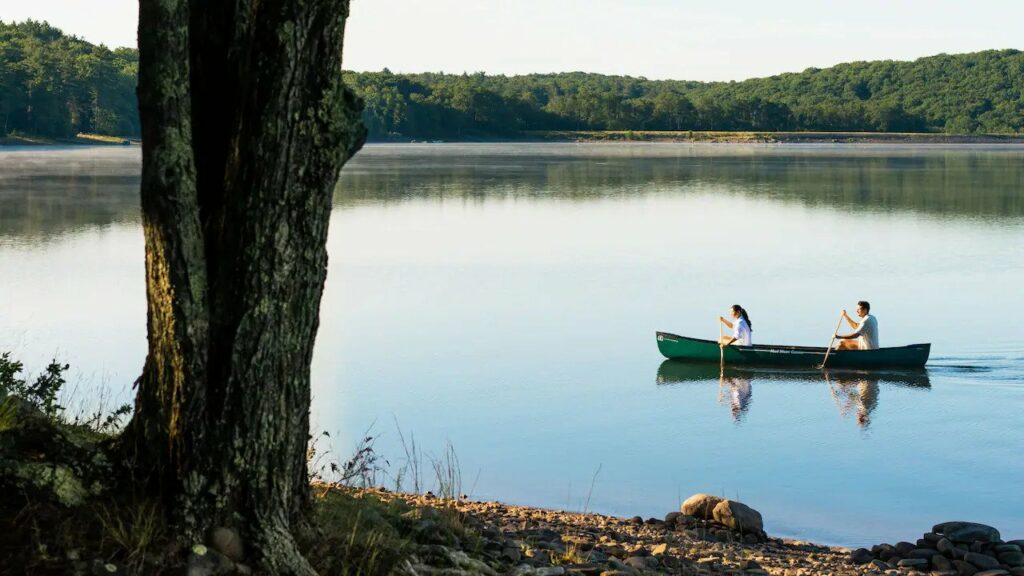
(865, 304)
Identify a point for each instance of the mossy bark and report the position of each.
(246, 125)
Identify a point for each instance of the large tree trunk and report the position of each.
(246, 124)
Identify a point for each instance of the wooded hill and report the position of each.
(56, 85)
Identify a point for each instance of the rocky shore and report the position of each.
(59, 517)
(950, 549)
(709, 535)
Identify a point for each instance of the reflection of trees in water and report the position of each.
(42, 207)
(934, 181)
(53, 192)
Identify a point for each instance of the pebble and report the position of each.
(512, 554)
(903, 548)
(637, 562)
(861, 556)
(227, 542)
(964, 568)
(541, 557)
(981, 561)
(925, 553)
(1007, 548)
(940, 562)
(1012, 558)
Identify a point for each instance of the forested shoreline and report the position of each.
(57, 86)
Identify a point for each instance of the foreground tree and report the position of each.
(245, 126)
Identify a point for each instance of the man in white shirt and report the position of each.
(865, 334)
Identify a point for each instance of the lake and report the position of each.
(504, 298)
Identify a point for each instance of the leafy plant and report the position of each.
(41, 393)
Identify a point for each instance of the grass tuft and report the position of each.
(134, 530)
(359, 535)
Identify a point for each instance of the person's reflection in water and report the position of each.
(740, 392)
(860, 396)
(868, 391)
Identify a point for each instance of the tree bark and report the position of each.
(246, 124)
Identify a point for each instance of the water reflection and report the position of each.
(941, 180)
(47, 192)
(855, 393)
(599, 246)
(739, 389)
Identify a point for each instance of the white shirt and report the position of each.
(867, 333)
(741, 332)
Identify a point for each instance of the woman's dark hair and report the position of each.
(739, 310)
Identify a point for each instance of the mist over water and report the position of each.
(505, 297)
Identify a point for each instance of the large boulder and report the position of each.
(701, 506)
(967, 532)
(45, 460)
(738, 516)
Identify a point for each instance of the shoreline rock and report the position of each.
(692, 542)
(527, 541)
(951, 548)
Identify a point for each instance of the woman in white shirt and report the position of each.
(741, 328)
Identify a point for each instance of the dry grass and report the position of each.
(133, 530)
(359, 535)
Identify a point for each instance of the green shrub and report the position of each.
(40, 393)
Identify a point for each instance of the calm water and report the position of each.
(505, 297)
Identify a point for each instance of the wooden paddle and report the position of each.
(834, 334)
(832, 389)
(721, 349)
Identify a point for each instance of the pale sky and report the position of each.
(680, 39)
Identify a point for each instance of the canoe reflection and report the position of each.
(854, 392)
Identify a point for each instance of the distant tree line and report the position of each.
(57, 85)
(981, 92)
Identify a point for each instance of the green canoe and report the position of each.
(697, 350)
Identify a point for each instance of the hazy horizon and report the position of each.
(656, 39)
